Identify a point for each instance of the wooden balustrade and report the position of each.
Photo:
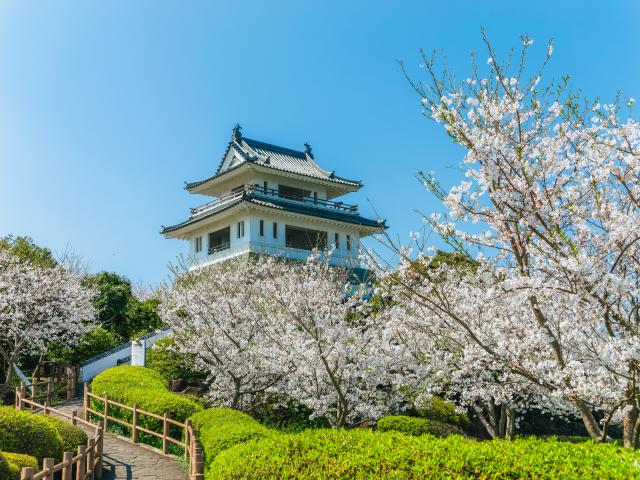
(87, 463)
(192, 449)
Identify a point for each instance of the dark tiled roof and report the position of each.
(284, 205)
(278, 158)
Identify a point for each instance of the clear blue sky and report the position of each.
(107, 107)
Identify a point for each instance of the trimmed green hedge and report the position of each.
(171, 364)
(416, 426)
(222, 428)
(12, 463)
(363, 454)
(442, 411)
(72, 435)
(30, 434)
(148, 390)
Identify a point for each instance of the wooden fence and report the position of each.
(45, 388)
(192, 449)
(87, 463)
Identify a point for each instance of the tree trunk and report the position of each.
(590, 423)
(498, 422)
(629, 426)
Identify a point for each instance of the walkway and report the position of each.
(128, 461)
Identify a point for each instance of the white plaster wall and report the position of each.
(91, 369)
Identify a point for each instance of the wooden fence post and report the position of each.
(85, 401)
(74, 417)
(99, 450)
(105, 423)
(91, 451)
(187, 424)
(165, 434)
(34, 389)
(198, 473)
(47, 465)
(134, 424)
(70, 373)
(49, 389)
(18, 400)
(27, 473)
(80, 466)
(67, 469)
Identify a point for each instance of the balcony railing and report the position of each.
(272, 193)
(219, 248)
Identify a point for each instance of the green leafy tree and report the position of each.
(114, 294)
(118, 310)
(25, 249)
(142, 317)
(91, 343)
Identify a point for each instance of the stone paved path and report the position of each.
(127, 461)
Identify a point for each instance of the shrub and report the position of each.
(30, 434)
(72, 436)
(12, 463)
(287, 416)
(148, 390)
(416, 426)
(222, 428)
(445, 412)
(162, 358)
(362, 454)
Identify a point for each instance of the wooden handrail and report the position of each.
(192, 450)
(88, 461)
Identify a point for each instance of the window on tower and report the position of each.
(305, 238)
(219, 240)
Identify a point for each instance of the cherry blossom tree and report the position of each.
(217, 313)
(550, 203)
(347, 369)
(443, 359)
(262, 326)
(38, 305)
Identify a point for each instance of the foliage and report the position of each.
(164, 358)
(362, 454)
(113, 294)
(11, 464)
(30, 434)
(142, 317)
(416, 426)
(222, 428)
(442, 411)
(288, 416)
(37, 306)
(148, 390)
(72, 436)
(27, 251)
(93, 342)
(118, 310)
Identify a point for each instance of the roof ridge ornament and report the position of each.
(236, 133)
(307, 149)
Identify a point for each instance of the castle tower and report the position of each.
(276, 201)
